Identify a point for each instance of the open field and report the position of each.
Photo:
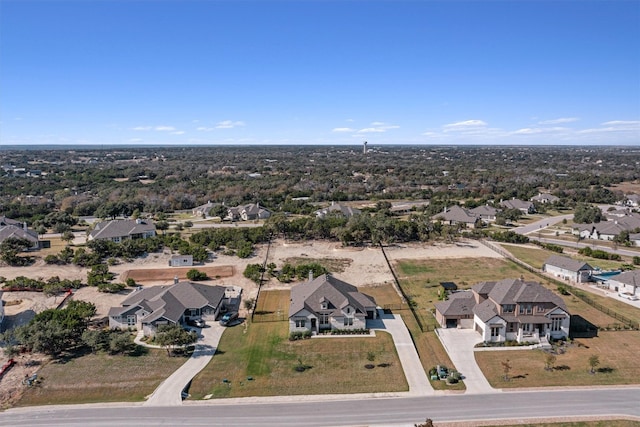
(334, 265)
(263, 352)
(164, 274)
(617, 352)
(536, 256)
(101, 378)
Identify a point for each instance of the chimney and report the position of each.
(24, 225)
(310, 275)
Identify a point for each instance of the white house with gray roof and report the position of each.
(568, 269)
(119, 230)
(336, 208)
(523, 206)
(327, 303)
(149, 308)
(248, 212)
(626, 282)
(510, 309)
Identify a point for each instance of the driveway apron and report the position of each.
(459, 344)
(169, 392)
(407, 353)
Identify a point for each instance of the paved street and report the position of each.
(407, 353)
(169, 391)
(365, 411)
(459, 344)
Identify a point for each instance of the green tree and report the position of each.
(253, 272)
(196, 275)
(594, 361)
(172, 336)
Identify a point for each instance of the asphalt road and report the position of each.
(348, 412)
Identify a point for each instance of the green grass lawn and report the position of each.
(333, 265)
(535, 257)
(101, 378)
(263, 352)
(617, 352)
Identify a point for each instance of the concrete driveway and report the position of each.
(414, 372)
(169, 392)
(459, 344)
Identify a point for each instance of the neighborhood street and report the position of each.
(534, 406)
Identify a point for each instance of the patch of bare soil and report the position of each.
(146, 275)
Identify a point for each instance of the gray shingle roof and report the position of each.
(336, 293)
(347, 211)
(567, 263)
(458, 304)
(120, 228)
(456, 214)
(17, 232)
(631, 277)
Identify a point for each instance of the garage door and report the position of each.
(452, 323)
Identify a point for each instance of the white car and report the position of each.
(628, 295)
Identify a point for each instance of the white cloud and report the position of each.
(164, 128)
(378, 127)
(178, 132)
(142, 128)
(558, 121)
(534, 131)
(464, 125)
(205, 129)
(229, 124)
(632, 123)
(343, 130)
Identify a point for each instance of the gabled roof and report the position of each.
(516, 204)
(483, 288)
(567, 263)
(484, 210)
(170, 302)
(515, 291)
(630, 277)
(456, 214)
(120, 228)
(545, 197)
(458, 304)
(17, 232)
(8, 221)
(347, 211)
(327, 289)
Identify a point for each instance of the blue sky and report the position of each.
(319, 72)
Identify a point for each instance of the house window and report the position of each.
(556, 324)
(508, 308)
(348, 321)
(511, 326)
(300, 323)
(348, 310)
(526, 308)
(131, 320)
(324, 306)
(324, 319)
(526, 327)
(539, 308)
(495, 331)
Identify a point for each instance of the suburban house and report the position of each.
(327, 303)
(632, 200)
(456, 215)
(337, 208)
(634, 238)
(149, 308)
(119, 230)
(181, 261)
(627, 282)
(510, 309)
(545, 198)
(521, 205)
(567, 268)
(11, 229)
(204, 211)
(247, 212)
(485, 212)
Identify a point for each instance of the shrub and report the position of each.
(299, 335)
(196, 275)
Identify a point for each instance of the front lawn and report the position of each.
(617, 352)
(101, 378)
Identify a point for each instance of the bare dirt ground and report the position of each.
(362, 267)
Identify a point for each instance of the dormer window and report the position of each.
(324, 305)
(348, 310)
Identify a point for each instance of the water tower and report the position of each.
(364, 147)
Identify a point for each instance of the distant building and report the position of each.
(181, 261)
(567, 268)
(11, 229)
(456, 215)
(521, 205)
(545, 198)
(248, 212)
(346, 211)
(119, 230)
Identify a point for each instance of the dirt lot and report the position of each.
(360, 267)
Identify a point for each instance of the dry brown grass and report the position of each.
(536, 257)
(101, 378)
(617, 352)
(154, 274)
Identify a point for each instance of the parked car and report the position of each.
(196, 322)
(628, 295)
(228, 318)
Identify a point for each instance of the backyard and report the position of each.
(535, 257)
